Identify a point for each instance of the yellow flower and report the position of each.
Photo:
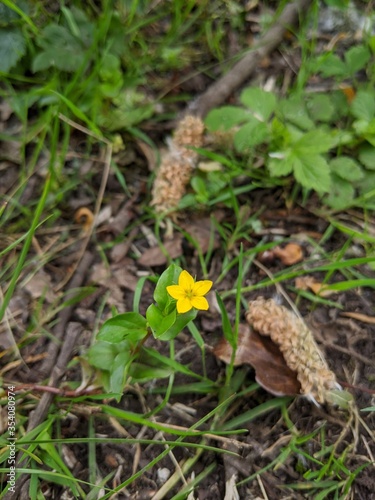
(189, 293)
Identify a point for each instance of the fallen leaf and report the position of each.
(308, 282)
(202, 231)
(155, 256)
(40, 285)
(290, 254)
(271, 370)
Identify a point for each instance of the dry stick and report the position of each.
(218, 92)
(65, 314)
(73, 331)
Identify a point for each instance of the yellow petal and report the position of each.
(186, 280)
(184, 305)
(199, 303)
(202, 287)
(176, 291)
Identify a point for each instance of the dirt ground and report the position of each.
(348, 345)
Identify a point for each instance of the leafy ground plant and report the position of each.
(116, 388)
(120, 338)
(302, 136)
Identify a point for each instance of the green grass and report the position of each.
(103, 74)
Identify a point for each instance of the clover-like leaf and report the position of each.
(312, 171)
(251, 134)
(346, 168)
(12, 48)
(367, 156)
(341, 193)
(363, 105)
(259, 101)
(225, 118)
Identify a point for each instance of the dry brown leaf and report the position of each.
(290, 254)
(271, 370)
(100, 274)
(201, 231)
(40, 285)
(308, 282)
(155, 256)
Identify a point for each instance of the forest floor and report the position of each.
(97, 246)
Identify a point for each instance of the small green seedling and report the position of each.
(177, 301)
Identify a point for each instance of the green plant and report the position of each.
(120, 339)
(302, 136)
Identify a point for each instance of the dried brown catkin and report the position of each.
(297, 345)
(177, 165)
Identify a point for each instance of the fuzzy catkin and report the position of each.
(177, 165)
(297, 345)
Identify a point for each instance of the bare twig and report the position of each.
(65, 314)
(218, 92)
(38, 415)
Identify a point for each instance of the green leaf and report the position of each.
(79, 24)
(143, 373)
(342, 399)
(367, 184)
(340, 4)
(181, 321)
(159, 322)
(102, 354)
(367, 156)
(320, 107)
(130, 326)
(225, 118)
(7, 15)
(312, 172)
(341, 193)
(227, 327)
(280, 164)
(12, 48)
(363, 105)
(14, 10)
(331, 65)
(250, 135)
(60, 49)
(346, 168)
(294, 111)
(110, 68)
(167, 327)
(169, 277)
(200, 187)
(356, 58)
(313, 143)
(261, 103)
(128, 108)
(341, 137)
(118, 372)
